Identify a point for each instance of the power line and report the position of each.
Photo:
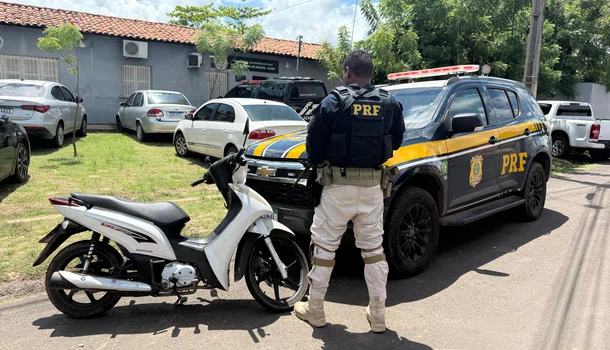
(351, 44)
(291, 6)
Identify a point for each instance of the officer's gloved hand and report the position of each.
(313, 187)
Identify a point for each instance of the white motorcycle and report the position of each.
(87, 278)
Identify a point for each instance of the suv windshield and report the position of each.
(22, 90)
(165, 98)
(264, 113)
(418, 105)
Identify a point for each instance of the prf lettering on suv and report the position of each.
(474, 146)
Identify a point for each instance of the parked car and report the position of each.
(474, 146)
(14, 150)
(246, 89)
(45, 109)
(152, 112)
(217, 127)
(295, 92)
(574, 129)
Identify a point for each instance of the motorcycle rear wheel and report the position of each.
(104, 262)
(264, 280)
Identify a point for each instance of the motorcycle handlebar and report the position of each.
(198, 182)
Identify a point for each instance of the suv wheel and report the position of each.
(599, 155)
(411, 232)
(534, 193)
(58, 140)
(561, 146)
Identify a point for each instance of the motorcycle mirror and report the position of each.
(207, 163)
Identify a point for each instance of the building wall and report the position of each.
(101, 72)
(595, 94)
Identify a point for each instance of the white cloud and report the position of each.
(317, 20)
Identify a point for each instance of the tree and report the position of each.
(64, 39)
(221, 40)
(197, 16)
(332, 58)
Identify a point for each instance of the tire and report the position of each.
(106, 258)
(561, 146)
(140, 133)
(180, 145)
(82, 132)
(534, 193)
(230, 150)
(599, 155)
(262, 267)
(23, 163)
(411, 233)
(58, 140)
(119, 125)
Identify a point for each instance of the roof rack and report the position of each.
(434, 72)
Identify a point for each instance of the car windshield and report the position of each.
(265, 113)
(166, 98)
(418, 105)
(21, 90)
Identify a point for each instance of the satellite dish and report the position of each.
(485, 69)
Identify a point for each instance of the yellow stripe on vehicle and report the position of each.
(518, 129)
(416, 151)
(263, 145)
(469, 141)
(296, 152)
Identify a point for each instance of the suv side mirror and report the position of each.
(189, 116)
(465, 122)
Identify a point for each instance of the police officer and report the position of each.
(354, 131)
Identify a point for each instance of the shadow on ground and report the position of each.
(461, 250)
(336, 336)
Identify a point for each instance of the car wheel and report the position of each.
(119, 126)
(599, 155)
(58, 140)
(561, 146)
(82, 132)
(230, 150)
(534, 193)
(411, 233)
(140, 134)
(23, 163)
(180, 145)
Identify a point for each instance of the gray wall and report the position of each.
(101, 73)
(595, 94)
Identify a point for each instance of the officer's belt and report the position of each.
(356, 176)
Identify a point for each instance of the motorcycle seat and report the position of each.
(164, 214)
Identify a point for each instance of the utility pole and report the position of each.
(299, 39)
(532, 58)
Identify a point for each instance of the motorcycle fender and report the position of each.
(261, 227)
(56, 237)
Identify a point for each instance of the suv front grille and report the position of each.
(282, 193)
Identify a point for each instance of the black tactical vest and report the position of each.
(361, 128)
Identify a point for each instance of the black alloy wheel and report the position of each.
(415, 233)
(23, 163)
(534, 192)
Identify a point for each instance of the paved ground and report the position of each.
(497, 284)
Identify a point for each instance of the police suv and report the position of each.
(474, 146)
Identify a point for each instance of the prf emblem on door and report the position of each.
(476, 170)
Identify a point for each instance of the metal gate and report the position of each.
(216, 84)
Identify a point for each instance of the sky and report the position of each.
(315, 20)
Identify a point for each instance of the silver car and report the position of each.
(45, 109)
(152, 112)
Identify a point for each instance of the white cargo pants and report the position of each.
(338, 205)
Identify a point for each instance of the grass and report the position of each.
(577, 162)
(112, 164)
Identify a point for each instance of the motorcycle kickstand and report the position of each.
(181, 300)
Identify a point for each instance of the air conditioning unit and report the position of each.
(195, 60)
(135, 49)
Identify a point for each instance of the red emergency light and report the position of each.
(434, 72)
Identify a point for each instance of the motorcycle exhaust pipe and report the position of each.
(79, 281)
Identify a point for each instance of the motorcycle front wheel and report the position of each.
(265, 281)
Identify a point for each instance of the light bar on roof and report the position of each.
(434, 72)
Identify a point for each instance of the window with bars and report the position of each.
(28, 67)
(136, 78)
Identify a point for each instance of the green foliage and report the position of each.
(197, 16)
(62, 39)
(332, 58)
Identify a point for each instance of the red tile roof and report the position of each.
(34, 16)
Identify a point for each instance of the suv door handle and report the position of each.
(527, 132)
(493, 140)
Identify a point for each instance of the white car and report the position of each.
(152, 112)
(573, 128)
(45, 109)
(217, 128)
